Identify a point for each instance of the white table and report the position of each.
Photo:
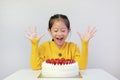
(88, 74)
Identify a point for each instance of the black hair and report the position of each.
(59, 17)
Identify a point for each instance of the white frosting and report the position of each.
(51, 70)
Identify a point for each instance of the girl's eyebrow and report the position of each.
(64, 28)
(55, 28)
(60, 28)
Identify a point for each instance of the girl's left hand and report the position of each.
(88, 34)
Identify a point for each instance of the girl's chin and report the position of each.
(59, 43)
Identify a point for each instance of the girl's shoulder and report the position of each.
(46, 43)
(71, 44)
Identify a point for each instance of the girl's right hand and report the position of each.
(32, 35)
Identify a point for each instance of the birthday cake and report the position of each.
(60, 68)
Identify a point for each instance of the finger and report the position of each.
(27, 36)
(40, 36)
(27, 31)
(91, 37)
(33, 35)
(79, 34)
(94, 28)
(35, 29)
(93, 31)
(88, 29)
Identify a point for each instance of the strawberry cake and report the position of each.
(60, 68)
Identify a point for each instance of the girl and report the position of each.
(59, 28)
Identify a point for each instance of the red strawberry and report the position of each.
(62, 59)
(57, 61)
(60, 62)
(48, 61)
(64, 62)
(71, 61)
(53, 61)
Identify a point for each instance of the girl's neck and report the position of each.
(60, 46)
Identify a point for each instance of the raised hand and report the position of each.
(32, 35)
(88, 34)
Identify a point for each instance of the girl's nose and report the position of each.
(59, 33)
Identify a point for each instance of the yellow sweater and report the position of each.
(49, 50)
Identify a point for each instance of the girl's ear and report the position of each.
(49, 31)
(69, 30)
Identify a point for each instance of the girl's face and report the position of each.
(59, 33)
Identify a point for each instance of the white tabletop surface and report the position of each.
(88, 74)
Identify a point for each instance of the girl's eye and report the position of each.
(63, 31)
(55, 31)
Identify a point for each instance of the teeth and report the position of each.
(59, 38)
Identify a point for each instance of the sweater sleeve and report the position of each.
(82, 56)
(36, 55)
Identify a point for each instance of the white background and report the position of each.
(17, 15)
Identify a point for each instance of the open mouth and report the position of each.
(59, 39)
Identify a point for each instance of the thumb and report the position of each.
(40, 36)
(79, 34)
(26, 36)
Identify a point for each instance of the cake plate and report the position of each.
(79, 76)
